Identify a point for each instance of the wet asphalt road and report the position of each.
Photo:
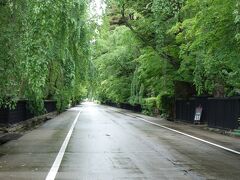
(106, 145)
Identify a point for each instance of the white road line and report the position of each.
(54, 169)
(188, 135)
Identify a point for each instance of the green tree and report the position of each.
(45, 51)
(188, 42)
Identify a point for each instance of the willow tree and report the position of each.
(11, 54)
(51, 53)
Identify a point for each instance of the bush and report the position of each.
(150, 106)
(165, 103)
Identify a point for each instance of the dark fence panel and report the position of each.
(50, 106)
(21, 112)
(136, 107)
(217, 112)
(3, 115)
(224, 112)
(11, 116)
(185, 110)
(109, 103)
(18, 114)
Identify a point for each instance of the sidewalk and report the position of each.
(200, 131)
(15, 131)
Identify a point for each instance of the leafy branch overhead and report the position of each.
(139, 52)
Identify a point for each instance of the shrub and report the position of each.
(165, 103)
(150, 106)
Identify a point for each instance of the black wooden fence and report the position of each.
(11, 116)
(50, 105)
(21, 112)
(217, 112)
(136, 107)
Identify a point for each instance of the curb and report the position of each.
(15, 131)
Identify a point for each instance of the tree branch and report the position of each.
(169, 58)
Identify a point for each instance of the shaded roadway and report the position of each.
(106, 144)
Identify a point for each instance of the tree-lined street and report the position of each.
(67, 67)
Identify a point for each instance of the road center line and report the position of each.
(54, 169)
(188, 135)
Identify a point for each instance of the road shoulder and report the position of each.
(195, 130)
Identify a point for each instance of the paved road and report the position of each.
(106, 145)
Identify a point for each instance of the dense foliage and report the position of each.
(144, 52)
(149, 52)
(44, 51)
